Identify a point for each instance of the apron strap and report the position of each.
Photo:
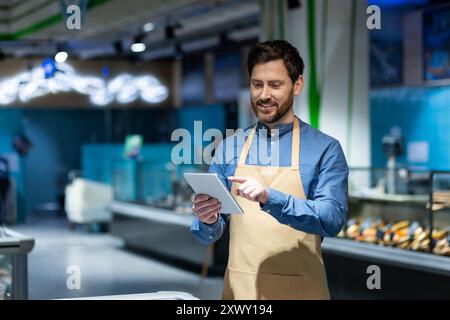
(295, 145)
(246, 148)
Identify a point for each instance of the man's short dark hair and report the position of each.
(274, 50)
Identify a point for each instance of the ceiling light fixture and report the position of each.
(138, 45)
(61, 57)
(149, 26)
(123, 89)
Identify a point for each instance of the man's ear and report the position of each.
(298, 85)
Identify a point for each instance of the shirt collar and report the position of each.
(282, 128)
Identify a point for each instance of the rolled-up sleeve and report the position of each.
(324, 215)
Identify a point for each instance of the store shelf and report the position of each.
(396, 198)
(391, 256)
(151, 213)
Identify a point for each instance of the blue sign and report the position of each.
(49, 68)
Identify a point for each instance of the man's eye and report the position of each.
(257, 85)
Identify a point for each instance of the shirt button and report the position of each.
(272, 143)
(210, 237)
(209, 228)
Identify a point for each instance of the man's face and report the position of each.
(272, 91)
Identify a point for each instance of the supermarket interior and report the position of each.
(105, 105)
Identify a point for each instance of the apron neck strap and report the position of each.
(247, 145)
(295, 145)
(295, 150)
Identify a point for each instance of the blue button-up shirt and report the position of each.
(323, 171)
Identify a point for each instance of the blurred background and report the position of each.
(90, 93)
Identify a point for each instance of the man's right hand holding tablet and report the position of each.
(206, 208)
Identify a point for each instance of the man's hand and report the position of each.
(205, 208)
(251, 189)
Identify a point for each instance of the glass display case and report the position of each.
(152, 214)
(14, 248)
(155, 184)
(439, 212)
(5, 277)
(392, 208)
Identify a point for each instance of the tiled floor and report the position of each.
(105, 268)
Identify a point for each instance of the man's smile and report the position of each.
(267, 107)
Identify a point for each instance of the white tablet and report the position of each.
(210, 184)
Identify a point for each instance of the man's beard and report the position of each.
(279, 113)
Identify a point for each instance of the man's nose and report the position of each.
(265, 94)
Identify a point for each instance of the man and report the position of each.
(290, 204)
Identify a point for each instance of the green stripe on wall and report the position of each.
(38, 26)
(313, 92)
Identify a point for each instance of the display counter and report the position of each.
(14, 248)
(151, 213)
(400, 233)
(166, 235)
(160, 295)
(419, 261)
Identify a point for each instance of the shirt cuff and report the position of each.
(275, 203)
(197, 225)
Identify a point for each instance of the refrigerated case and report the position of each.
(399, 232)
(153, 183)
(402, 220)
(155, 223)
(152, 214)
(14, 249)
(439, 212)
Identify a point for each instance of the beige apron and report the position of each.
(267, 259)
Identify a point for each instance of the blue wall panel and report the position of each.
(132, 181)
(422, 114)
(10, 125)
(58, 137)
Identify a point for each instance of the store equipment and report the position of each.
(14, 248)
(88, 201)
(392, 147)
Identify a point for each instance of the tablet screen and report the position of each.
(210, 184)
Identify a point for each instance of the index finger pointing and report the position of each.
(238, 179)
